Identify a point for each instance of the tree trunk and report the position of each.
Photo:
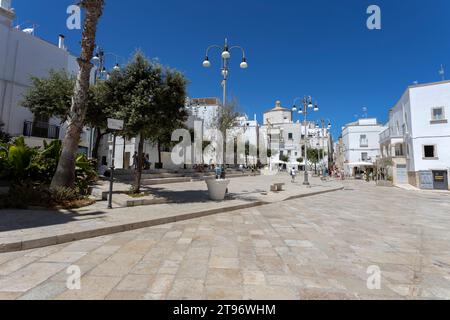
(159, 152)
(138, 174)
(98, 138)
(65, 173)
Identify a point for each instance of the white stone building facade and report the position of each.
(22, 54)
(418, 137)
(288, 137)
(361, 148)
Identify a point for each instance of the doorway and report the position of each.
(440, 180)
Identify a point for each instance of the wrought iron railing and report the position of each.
(40, 129)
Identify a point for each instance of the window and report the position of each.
(438, 114)
(429, 152)
(364, 156)
(363, 141)
(291, 136)
(399, 150)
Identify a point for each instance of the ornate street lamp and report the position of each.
(225, 56)
(307, 106)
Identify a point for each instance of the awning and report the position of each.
(360, 164)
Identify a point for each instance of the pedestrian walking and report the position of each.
(293, 174)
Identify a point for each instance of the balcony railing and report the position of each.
(364, 143)
(391, 133)
(40, 129)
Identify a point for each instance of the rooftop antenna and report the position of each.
(442, 73)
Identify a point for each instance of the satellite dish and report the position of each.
(28, 30)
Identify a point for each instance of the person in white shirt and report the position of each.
(293, 174)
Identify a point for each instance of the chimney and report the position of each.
(61, 42)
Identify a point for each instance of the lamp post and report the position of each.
(225, 56)
(323, 130)
(307, 106)
(101, 73)
(99, 62)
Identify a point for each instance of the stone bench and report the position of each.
(277, 187)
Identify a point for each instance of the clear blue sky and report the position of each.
(294, 48)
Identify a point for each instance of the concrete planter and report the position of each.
(217, 189)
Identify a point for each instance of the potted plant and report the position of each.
(217, 188)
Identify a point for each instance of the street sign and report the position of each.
(114, 124)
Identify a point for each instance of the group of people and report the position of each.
(147, 164)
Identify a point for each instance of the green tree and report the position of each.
(51, 96)
(150, 99)
(227, 118)
(284, 158)
(315, 156)
(170, 101)
(65, 173)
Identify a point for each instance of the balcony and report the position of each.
(364, 143)
(390, 134)
(39, 129)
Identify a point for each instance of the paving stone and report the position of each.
(311, 248)
(30, 276)
(269, 293)
(134, 282)
(92, 288)
(15, 264)
(224, 293)
(256, 278)
(46, 291)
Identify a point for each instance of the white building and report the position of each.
(22, 54)
(360, 141)
(249, 130)
(200, 110)
(287, 137)
(417, 139)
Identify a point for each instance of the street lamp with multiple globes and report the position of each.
(324, 128)
(225, 56)
(101, 73)
(99, 62)
(307, 106)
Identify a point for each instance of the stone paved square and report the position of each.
(319, 247)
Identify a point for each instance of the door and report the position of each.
(426, 180)
(402, 175)
(440, 180)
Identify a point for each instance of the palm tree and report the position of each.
(65, 173)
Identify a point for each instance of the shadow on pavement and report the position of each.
(11, 220)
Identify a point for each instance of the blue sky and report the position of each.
(294, 47)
